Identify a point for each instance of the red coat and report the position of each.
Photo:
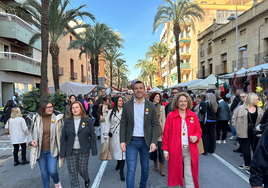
(172, 142)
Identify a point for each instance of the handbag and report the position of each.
(200, 146)
(105, 153)
(7, 130)
(202, 117)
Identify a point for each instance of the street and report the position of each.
(215, 171)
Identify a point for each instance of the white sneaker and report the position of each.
(218, 141)
(58, 185)
(224, 142)
(243, 167)
(232, 138)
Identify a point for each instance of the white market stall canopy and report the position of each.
(155, 89)
(250, 71)
(209, 82)
(189, 83)
(72, 88)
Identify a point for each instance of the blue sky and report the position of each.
(133, 19)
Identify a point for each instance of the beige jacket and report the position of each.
(162, 121)
(240, 121)
(37, 133)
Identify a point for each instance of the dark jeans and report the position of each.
(224, 126)
(160, 152)
(16, 151)
(137, 145)
(208, 136)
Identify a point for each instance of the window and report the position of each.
(209, 46)
(71, 38)
(72, 67)
(82, 72)
(223, 41)
(242, 32)
(266, 20)
(224, 60)
(210, 66)
(202, 50)
(224, 57)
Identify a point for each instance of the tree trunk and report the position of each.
(111, 74)
(118, 80)
(151, 85)
(177, 31)
(44, 42)
(97, 70)
(54, 51)
(93, 77)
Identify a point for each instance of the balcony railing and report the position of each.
(164, 64)
(73, 75)
(203, 73)
(18, 20)
(261, 58)
(202, 53)
(164, 74)
(61, 72)
(242, 63)
(20, 57)
(84, 79)
(220, 70)
(209, 50)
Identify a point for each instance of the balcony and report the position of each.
(163, 32)
(61, 71)
(261, 58)
(73, 75)
(164, 64)
(14, 29)
(209, 50)
(84, 79)
(185, 50)
(203, 73)
(164, 74)
(202, 53)
(16, 62)
(185, 66)
(242, 63)
(220, 69)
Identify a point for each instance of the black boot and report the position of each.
(121, 166)
(24, 162)
(16, 163)
(87, 183)
(117, 166)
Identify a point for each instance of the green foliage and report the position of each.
(31, 99)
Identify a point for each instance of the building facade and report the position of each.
(219, 10)
(217, 44)
(20, 64)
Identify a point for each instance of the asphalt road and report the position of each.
(216, 171)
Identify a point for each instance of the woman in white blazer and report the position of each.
(112, 128)
(156, 99)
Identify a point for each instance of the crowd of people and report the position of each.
(155, 126)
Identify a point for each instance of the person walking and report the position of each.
(45, 139)
(245, 119)
(7, 110)
(160, 109)
(265, 100)
(259, 163)
(139, 131)
(210, 107)
(77, 139)
(101, 98)
(174, 92)
(92, 111)
(112, 129)
(83, 102)
(223, 116)
(102, 113)
(181, 135)
(72, 98)
(18, 132)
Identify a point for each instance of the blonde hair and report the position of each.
(211, 98)
(175, 100)
(250, 98)
(15, 113)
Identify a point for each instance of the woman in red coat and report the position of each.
(181, 135)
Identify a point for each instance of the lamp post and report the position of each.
(232, 17)
(259, 43)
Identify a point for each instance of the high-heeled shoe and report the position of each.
(87, 183)
(117, 166)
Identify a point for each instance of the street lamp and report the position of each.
(232, 17)
(259, 43)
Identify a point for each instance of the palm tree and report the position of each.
(151, 69)
(177, 13)
(158, 51)
(92, 42)
(112, 55)
(59, 19)
(121, 71)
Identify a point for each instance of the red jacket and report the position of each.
(172, 142)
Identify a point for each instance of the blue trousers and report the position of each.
(232, 128)
(137, 145)
(48, 167)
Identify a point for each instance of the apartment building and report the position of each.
(219, 10)
(20, 64)
(217, 44)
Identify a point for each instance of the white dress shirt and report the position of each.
(139, 118)
(77, 120)
(184, 139)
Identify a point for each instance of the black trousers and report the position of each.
(224, 126)
(209, 137)
(160, 152)
(16, 151)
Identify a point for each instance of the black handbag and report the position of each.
(202, 117)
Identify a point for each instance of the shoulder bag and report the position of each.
(7, 130)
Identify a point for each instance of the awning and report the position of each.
(206, 83)
(155, 89)
(189, 83)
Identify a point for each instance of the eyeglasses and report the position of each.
(174, 92)
(49, 107)
(242, 96)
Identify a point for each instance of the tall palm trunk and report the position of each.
(111, 74)
(44, 42)
(93, 72)
(160, 70)
(97, 70)
(177, 31)
(151, 83)
(118, 76)
(54, 51)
